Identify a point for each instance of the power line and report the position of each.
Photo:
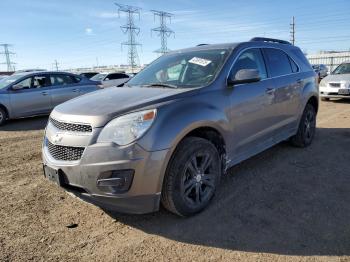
(163, 31)
(132, 31)
(292, 31)
(8, 54)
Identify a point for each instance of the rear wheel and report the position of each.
(3, 116)
(192, 177)
(307, 128)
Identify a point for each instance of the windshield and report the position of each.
(342, 69)
(98, 77)
(9, 80)
(182, 70)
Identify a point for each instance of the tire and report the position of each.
(324, 98)
(307, 128)
(192, 177)
(3, 116)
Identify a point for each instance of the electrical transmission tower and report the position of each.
(292, 31)
(8, 54)
(132, 31)
(55, 64)
(163, 31)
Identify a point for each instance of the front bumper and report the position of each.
(328, 91)
(80, 177)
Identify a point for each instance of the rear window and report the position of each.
(278, 61)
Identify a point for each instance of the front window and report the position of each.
(342, 69)
(182, 70)
(98, 77)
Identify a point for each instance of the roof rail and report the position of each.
(272, 40)
(202, 44)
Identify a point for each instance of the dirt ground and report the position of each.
(286, 204)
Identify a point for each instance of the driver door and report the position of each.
(251, 113)
(33, 98)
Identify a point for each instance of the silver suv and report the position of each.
(169, 134)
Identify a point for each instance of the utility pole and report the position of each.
(132, 31)
(8, 54)
(163, 31)
(292, 31)
(56, 65)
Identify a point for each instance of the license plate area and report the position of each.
(344, 91)
(53, 175)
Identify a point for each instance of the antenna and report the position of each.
(8, 54)
(55, 64)
(163, 31)
(132, 31)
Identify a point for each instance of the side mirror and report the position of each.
(17, 87)
(106, 79)
(244, 76)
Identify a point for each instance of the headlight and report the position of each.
(127, 128)
(323, 84)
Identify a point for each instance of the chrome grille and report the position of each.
(65, 153)
(70, 127)
(334, 84)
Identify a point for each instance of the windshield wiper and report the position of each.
(160, 84)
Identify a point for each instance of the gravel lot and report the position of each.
(286, 204)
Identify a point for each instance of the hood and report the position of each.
(337, 78)
(99, 107)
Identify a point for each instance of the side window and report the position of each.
(250, 59)
(278, 62)
(26, 83)
(61, 80)
(40, 81)
(294, 66)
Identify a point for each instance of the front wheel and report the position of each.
(192, 177)
(3, 116)
(307, 128)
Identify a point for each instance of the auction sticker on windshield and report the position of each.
(199, 61)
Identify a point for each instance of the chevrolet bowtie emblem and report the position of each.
(57, 138)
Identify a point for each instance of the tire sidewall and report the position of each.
(178, 166)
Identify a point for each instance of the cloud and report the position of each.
(107, 15)
(89, 31)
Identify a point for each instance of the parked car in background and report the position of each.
(89, 74)
(321, 70)
(180, 124)
(337, 84)
(111, 79)
(36, 93)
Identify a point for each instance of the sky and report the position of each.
(87, 33)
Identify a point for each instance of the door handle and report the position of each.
(270, 90)
(44, 93)
(76, 90)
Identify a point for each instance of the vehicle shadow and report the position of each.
(25, 124)
(285, 200)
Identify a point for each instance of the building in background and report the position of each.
(329, 58)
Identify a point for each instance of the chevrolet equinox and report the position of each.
(169, 134)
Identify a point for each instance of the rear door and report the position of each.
(251, 113)
(64, 87)
(286, 96)
(33, 99)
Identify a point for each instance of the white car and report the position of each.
(337, 84)
(111, 79)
